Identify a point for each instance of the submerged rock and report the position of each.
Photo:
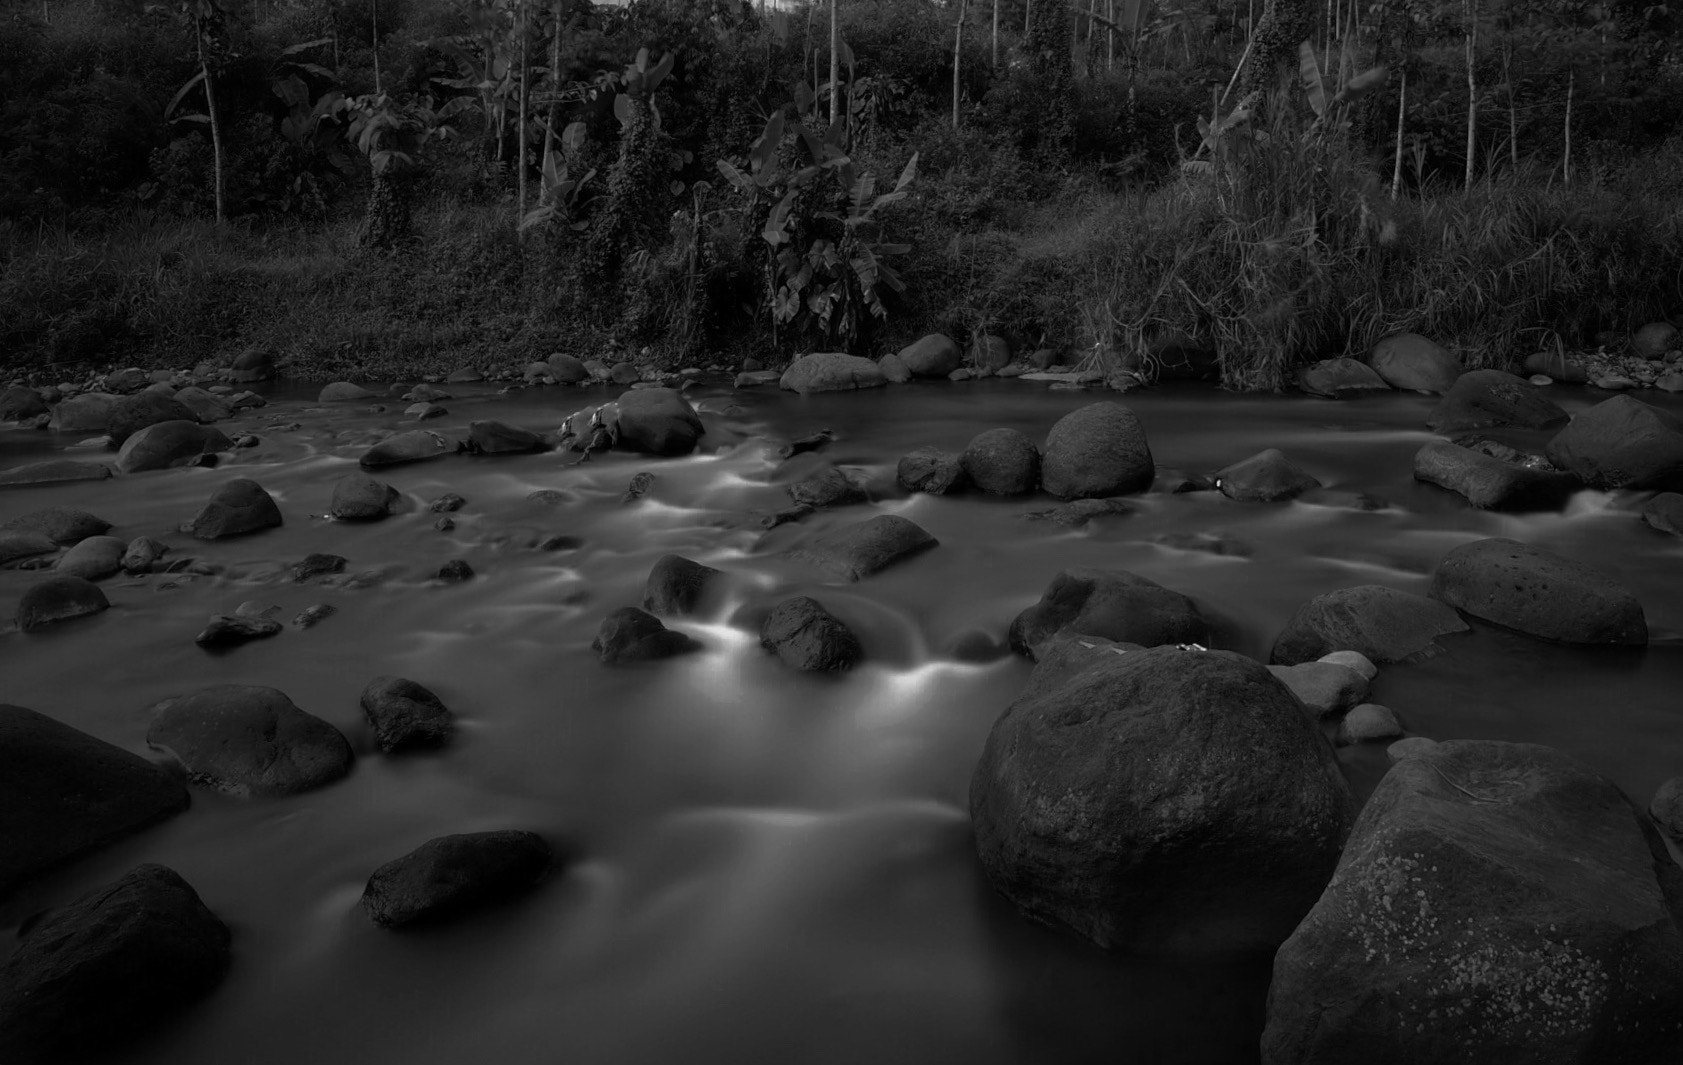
(633, 635)
(93, 974)
(808, 637)
(1539, 593)
(62, 525)
(1082, 511)
(231, 630)
(53, 471)
(1113, 604)
(316, 565)
(497, 438)
(415, 445)
(343, 392)
(676, 585)
(854, 552)
(247, 740)
(1382, 623)
(1340, 379)
(405, 715)
(828, 487)
(16, 545)
(1097, 451)
(1497, 902)
(1161, 801)
(452, 876)
(58, 599)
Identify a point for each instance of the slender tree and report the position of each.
(958, 46)
(207, 18)
(835, 64)
(1471, 9)
(525, 71)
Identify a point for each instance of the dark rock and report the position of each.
(1539, 593)
(637, 488)
(231, 630)
(658, 421)
(1558, 366)
(415, 445)
(58, 599)
(1622, 443)
(1368, 723)
(814, 441)
(132, 379)
(989, 353)
(169, 444)
(1113, 604)
(454, 571)
(343, 392)
(311, 615)
(1326, 689)
(831, 372)
(1666, 808)
(559, 542)
(893, 370)
(567, 370)
(757, 379)
(1490, 483)
(205, 407)
(16, 545)
(1653, 340)
(93, 559)
(1664, 512)
(448, 503)
(237, 508)
(129, 954)
(623, 373)
(89, 412)
(1382, 623)
(1266, 477)
(853, 552)
(20, 404)
(550, 497)
(1482, 399)
(465, 375)
(1410, 361)
(936, 355)
(130, 414)
(788, 514)
(1082, 511)
(808, 637)
(1340, 379)
(931, 470)
(53, 471)
(496, 438)
(405, 715)
(247, 740)
(676, 586)
(1497, 902)
(828, 487)
(423, 411)
(64, 793)
(359, 497)
(1096, 451)
(452, 876)
(1209, 543)
(317, 565)
(252, 365)
(1161, 801)
(632, 635)
(1064, 655)
(1002, 462)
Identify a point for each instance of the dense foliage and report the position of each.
(663, 176)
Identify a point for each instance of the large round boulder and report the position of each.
(658, 421)
(237, 508)
(1484, 399)
(91, 975)
(935, 355)
(451, 876)
(1622, 443)
(831, 371)
(247, 740)
(1095, 452)
(130, 414)
(1340, 379)
(64, 793)
(62, 525)
(1113, 604)
(1001, 462)
(56, 599)
(359, 497)
(1496, 902)
(676, 585)
(1266, 477)
(1539, 593)
(1161, 801)
(415, 445)
(168, 444)
(1382, 623)
(1491, 483)
(808, 637)
(86, 412)
(1410, 361)
(567, 370)
(632, 635)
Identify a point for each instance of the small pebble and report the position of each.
(312, 614)
(447, 503)
(444, 524)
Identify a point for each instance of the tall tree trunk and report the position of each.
(1471, 7)
(996, 34)
(835, 64)
(958, 45)
(1402, 100)
(215, 128)
(1283, 26)
(1566, 159)
(1513, 116)
(374, 32)
(520, 163)
(554, 102)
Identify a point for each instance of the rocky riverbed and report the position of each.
(989, 720)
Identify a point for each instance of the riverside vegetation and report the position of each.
(389, 189)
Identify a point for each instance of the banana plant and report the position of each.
(1332, 113)
(208, 19)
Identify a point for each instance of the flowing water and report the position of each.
(769, 867)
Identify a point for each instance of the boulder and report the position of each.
(455, 571)
(359, 497)
(93, 559)
(1081, 511)
(414, 445)
(64, 793)
(989, 353)
(58, 599)
(62, 525)
(1352, 660)
(624, 373)
(1266, 477)
(465, 375)
(1489, 483)
(1664, 513)
(931, 470)
(206, 408)
(405, 715)
(141, 554)
(831, 371)
(1161, 801)
(567, 370)
(231, 630)
(1113, 604)
(1555, 365)
(893, 370)
(91, 975)
(633, 635)
(132, 379)
(316, 565)
(20, 404)
(1410, 361)
(808, 637)
(676, 586)
(495, 438)
(250, 366)
(1001, 462)
(1368, 723)
(169, 444)
(658, 421)
(1622, 443)
(1066, 654)
(1539, 593)
(130, 414)
(1496, 902)
(1340, 379)
(1382, 623)
(16, 545)
(53, 471)
(936, 355)
(452, 876)
(1484, 399)
(853, 552)
(1653, 340)
(828, 487)
(1326, 689)
(247, 741)
(1666, 808)
(88, 412)
(1096, 451)
(237, 508)
(343, 392)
